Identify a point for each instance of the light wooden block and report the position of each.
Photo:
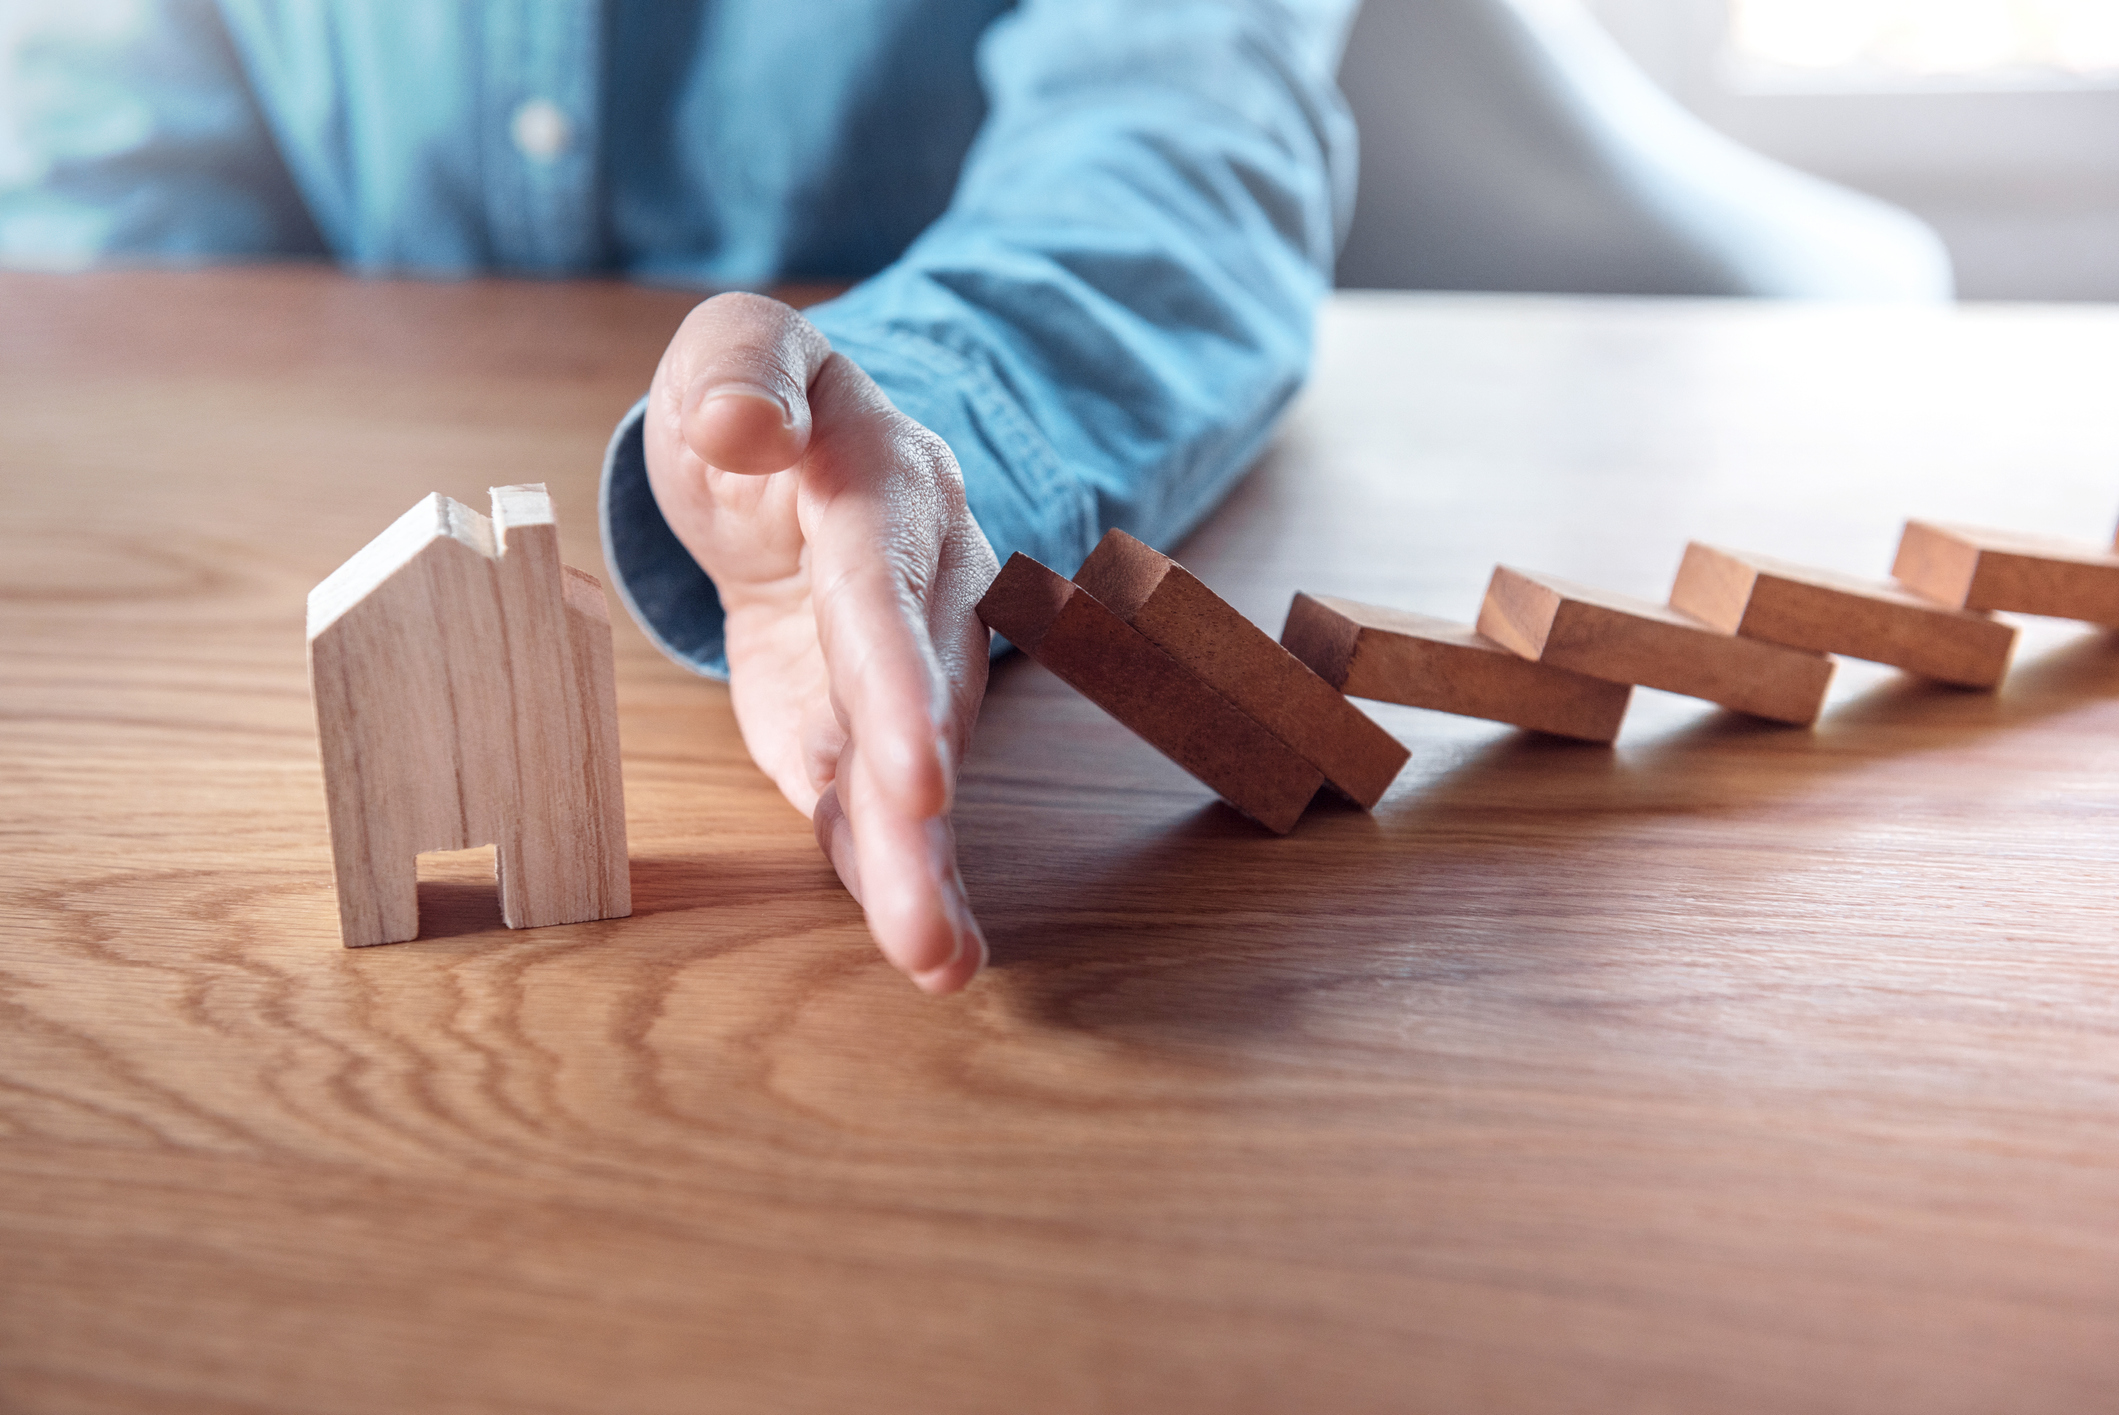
(1395, 657)
(1113, 665)
(1970, 568)
(1237, 659)
(465, 696)
(1626, 640)
(1760, 597)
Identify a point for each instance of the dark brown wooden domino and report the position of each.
(1628, 640)
(1237, 659)
(1107, 661)
(1367, 651)
(1760, 597)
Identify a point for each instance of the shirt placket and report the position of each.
(543, 80)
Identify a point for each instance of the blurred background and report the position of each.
(1851, 149)
(1739, 147)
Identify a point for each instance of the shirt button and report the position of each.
(540, 130)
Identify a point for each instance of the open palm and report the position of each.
(836, 531)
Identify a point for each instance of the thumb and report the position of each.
(744, 364)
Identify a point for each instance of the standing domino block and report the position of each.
(1763, 598)
(1627, 640)
(1396, 657)
(1186, 620)
(1969, 568)
(1066, 629)
(464, 696)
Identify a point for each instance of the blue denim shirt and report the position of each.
(1090, 235)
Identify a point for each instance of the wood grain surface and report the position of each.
(1733, 1068)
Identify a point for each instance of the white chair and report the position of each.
(1512, 145)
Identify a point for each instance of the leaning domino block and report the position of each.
(1759, 597)
(1627, 640)
(1395, 657)
(1107, 661)
(1970, 568)
(1186, 620)
(464, 696)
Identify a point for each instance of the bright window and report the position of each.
(1885, 44)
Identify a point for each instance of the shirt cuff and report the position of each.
(1018, 490)
(662, 587)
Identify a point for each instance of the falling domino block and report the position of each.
(1186, 620)
(1107, 661)
(1762, 598)
(1968, 568)
(464, 696)
(1395, 657)
(1627, 640)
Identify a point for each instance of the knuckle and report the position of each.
(931, 461)
(744, 302)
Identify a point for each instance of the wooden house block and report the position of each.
(1395, 657)
(1763, 598)
(1969, 568)
(1627, 640)
(1066, 629)
(1237, 659)
(464, 696)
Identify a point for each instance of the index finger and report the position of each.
(879, 499)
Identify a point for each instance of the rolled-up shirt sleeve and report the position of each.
(1118, 302)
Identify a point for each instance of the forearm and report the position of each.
(1119, 301)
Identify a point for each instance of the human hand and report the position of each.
(836, 531)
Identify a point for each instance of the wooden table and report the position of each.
(1737, 1068)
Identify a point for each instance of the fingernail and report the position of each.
(975, 937)
(844, 858)
(945, 753)
(967, 922)
(738, 389)
(941, 851)
(968, 941)
(930, 981)
(927, 977)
